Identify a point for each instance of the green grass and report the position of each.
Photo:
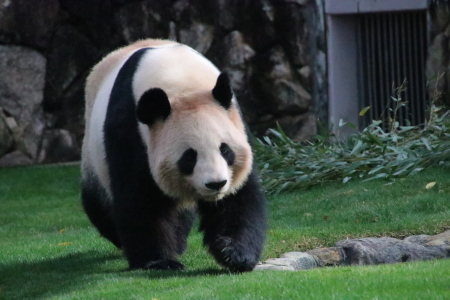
(49, 250)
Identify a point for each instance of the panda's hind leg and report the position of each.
(94, 200)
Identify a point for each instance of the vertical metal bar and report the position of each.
(375, 68)
(380, 85)
(368, 75)
(415, 32)
(386, 65)
(398, 54)
(410, 91)
(362, 97)
(422, 55)
(411, 87)
(370, 69)
(393, 49)
(404, 55)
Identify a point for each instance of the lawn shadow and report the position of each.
(158, 274)
(62, 275)
(52, 276)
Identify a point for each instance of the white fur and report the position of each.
(94, 154)
(196, 121)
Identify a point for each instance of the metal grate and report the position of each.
(392, 48)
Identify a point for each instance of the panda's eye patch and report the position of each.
(227, 153)
(187, 161)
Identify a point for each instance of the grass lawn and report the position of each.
(49, 250)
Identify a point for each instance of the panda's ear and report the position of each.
(153, 105)
(222, 91)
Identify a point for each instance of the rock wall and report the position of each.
(47, 47)
(274, 51)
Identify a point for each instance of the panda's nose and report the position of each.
(216, 186)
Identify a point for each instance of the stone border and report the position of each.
(364, 251)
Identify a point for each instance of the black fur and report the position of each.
(143, 221)
(222, 91)
(94, 200)
(234, 227)
(187, 162)
(146, 221)
(227, 154)
(153, 105)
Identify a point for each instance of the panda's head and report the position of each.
(196, 142)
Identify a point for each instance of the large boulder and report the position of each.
(437, 65)
(144, 19)
(22, 78)
(70, 55)
(28, 22)
(15, 158)
(59, 145)
(6, 137)
(277, 85)
(373, 251)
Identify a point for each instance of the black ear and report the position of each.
(152, 106)
(222, 91)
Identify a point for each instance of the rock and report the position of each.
(59, 145)
(70, 112)
(275, 85)
(305, 73)
(6, 137)
(144, 19)
(22, 76)
(430, 240)
(264, 267)
(300, 260)
(198, 36)
(71, 55)
(326, 256)
(371, 251)
(439, 13)
(290, 261)
(27, 22)
(227, 13)
(437, 63)
(439, 239)
(290, 24)
(237, 54)
(16, 158)
(418, 239)
(297, 260)
(95, 20)
(255, 21)
(365, 251)
(299, 127)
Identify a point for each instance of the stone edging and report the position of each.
(364, 251)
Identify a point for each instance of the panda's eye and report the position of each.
(187, 162)
(227, 153)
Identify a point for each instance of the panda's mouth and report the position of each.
(212, 196)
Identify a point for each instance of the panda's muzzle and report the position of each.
(216, 186)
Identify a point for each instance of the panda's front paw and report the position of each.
(233, 255)
(164, 264)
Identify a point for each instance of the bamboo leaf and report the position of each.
(363, 111)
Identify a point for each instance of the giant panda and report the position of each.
(164, 142)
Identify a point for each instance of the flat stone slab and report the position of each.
(289, 261)
(373, 251)
(365, 251)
